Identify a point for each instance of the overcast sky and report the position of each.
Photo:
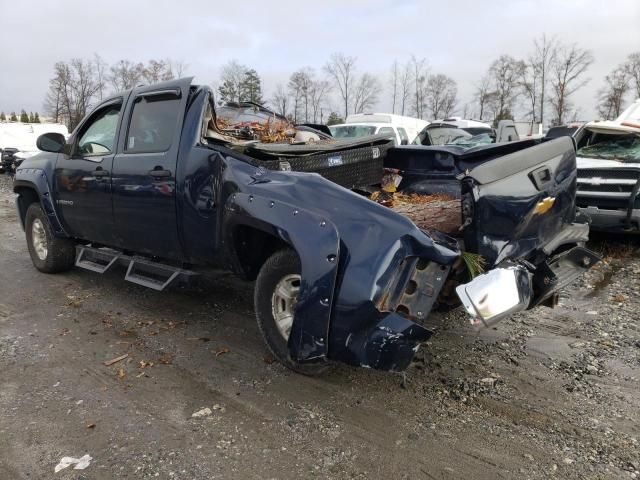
(459, 38)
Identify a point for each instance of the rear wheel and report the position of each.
(275, 298)
(49, 253)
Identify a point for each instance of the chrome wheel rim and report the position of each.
(283, 303)
(39, 239)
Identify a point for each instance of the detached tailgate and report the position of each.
(522, 205)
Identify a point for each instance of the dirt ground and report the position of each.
(546, 394)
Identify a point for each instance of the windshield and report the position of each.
(352, 131)
(613, 147)
(470, 142)
(441, 136)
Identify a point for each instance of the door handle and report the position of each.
(160, 173)
(99, 172)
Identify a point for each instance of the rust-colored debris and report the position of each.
(115, 360)
(429, 212)
(273, 131)
(222, 351)
(166, 359)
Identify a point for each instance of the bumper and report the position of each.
(495, 295)
(613, 220)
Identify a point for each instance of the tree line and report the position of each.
(24, 117)
(539, 87)
(78, 84)
(549, 77)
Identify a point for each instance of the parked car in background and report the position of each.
(403, 130)
(474, 127)
(529, 129)
(608, 161)
(445, 133)
(18, 141)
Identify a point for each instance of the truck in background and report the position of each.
(18, 141)
(403, 130)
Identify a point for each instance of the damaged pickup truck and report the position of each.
(152, 179)
(609, 172)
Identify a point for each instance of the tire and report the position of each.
(281, 269)
(49, 254)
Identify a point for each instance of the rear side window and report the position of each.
(153, 123)
(388, 131)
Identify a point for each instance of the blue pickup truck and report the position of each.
(154, 181)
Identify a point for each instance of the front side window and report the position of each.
(99, 135)
(153, 123)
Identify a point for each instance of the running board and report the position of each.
(140, 271)
(96, 260)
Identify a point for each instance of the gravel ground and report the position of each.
(545, 394)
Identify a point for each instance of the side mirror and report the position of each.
(51, 142)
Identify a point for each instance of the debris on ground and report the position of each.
(79, 463)
(108, 363)
(222, 351)
(166, 358)
(205, 412)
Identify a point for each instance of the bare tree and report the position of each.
(231, 79)
(544, 54)
(280, 100)
(157, 71)
(72, 90)
(54, 97)
(611, 96)
(394, 84)
(365, 93)
(440, 95)
(419, 77)
(530, 83)
(319, 90)
(505, 74)
(125, 75)
(341, 71)
(300, 85)
(177, 67)
(483, 94)
(567, 76)
(632, 65)
(101, 77)
(405, 87)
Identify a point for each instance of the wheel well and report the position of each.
(27, 196)
(253, 247)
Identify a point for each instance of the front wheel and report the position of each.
(275, 300)
(49, 253)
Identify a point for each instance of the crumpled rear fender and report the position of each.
(317, 243)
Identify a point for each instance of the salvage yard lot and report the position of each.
(548, 393)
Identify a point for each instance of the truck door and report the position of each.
(83, 178)
(144, 170)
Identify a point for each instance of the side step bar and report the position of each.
(141, 271)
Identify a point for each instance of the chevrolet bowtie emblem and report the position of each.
(544, 206)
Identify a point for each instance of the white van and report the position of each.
(403, 130)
